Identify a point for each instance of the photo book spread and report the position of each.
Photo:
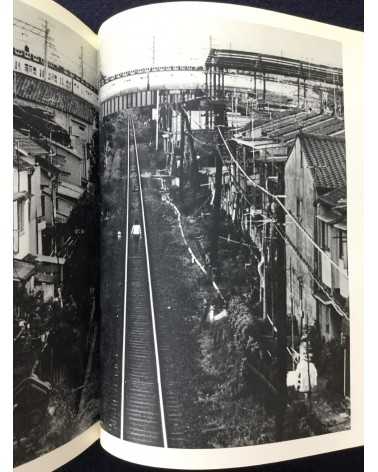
(187, 236)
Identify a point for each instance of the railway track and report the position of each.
(142, 405)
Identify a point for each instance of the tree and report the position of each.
(194, 177)
(80, 270)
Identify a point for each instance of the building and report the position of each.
(37, 264)
(28, 222)
(331, 216)
(315, 185)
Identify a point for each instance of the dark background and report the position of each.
(345, 13)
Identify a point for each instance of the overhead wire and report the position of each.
(287, 212)
(334, 303)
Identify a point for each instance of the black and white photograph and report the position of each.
(55, 317)
(223, 233)
(187, 236)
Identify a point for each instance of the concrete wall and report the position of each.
(72, 165)
(27, 241)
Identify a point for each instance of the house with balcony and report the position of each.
(28, 223)
(36, 266)
(331, 220)
(262, 151)
(315, 187)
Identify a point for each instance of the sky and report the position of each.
(126, 41)
(65, 48)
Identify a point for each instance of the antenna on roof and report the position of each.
(81, 59)
(45, 45)
(153, 50)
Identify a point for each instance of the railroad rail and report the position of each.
(142, 405)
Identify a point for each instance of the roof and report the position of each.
(40, 258)
(334, 198)
(326, 159)
(257, 143)
(54, 168)
(35, 382)
(286, 128)
(27, 144)
(43, 277)
(71, 191)
(20, 195)
(70, 150)
(22, 270)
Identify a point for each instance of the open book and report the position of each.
(187, 236)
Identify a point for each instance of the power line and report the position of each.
(41, 33)
(336, 306)
(287, 212)
(276, 199)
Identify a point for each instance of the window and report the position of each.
(43, 205)
(20, 216)
(301, 159)
(343, 248)
(84, 163)
(327, 320)
(324, 235)
(341, 244)
(300, 292)
(299, 208)
(29, 183)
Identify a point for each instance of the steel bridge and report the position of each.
(221, 62)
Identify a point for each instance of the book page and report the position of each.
(56, 334)
(231, 236)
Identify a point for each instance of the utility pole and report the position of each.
(153, 50)
(157, 121)
(81, 59)
(45, 46)
(292, 311)
(194, 178)
(252, 133)
(278, 272)
(334, 94)
(18, 164)
(219, 120)
(182, 153)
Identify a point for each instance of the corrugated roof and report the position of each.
(326, 159)
(27, 144)
(70, 191)
(22, 270)
(335, 197)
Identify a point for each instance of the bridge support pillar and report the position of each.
(304, 92)
(298, 90)
(264, 88)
